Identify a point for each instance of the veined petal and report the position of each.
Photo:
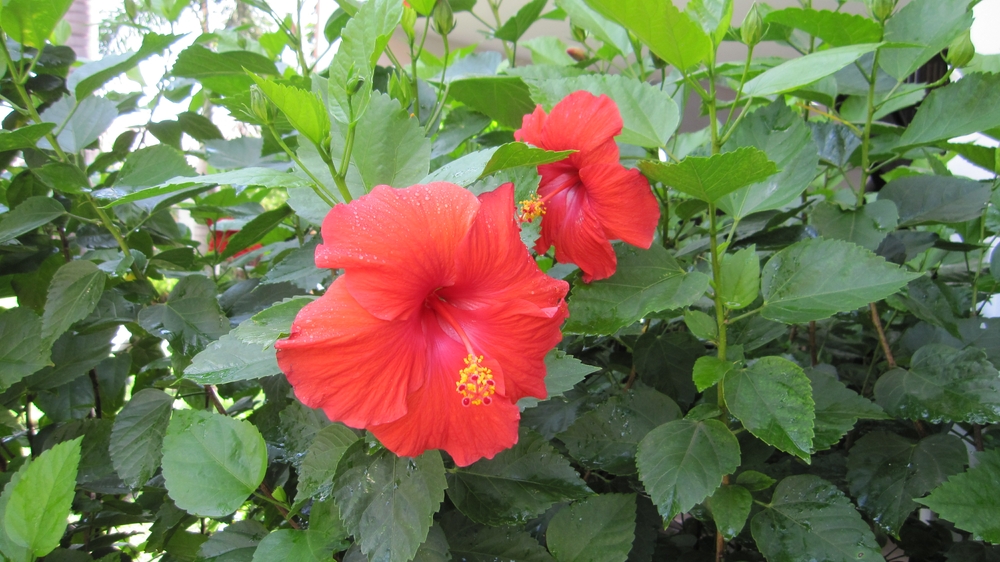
(531, 127)
(358, 368)
(581, 121)
(623, 202)
(436, 418)
(397, 245)
(572, 225)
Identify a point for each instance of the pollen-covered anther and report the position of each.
(475, 382)
(532, 208)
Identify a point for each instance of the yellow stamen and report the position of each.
(532, 208)
(475, 382)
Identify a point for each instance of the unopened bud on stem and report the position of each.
(752, 28)
(409, 23)
(444, 18)
(961, 50)
(881, 9)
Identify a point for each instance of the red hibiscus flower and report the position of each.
(589, 198)
(437, 327)
(220, 239)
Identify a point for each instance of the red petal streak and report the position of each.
(357, 368)
(397, 245)
(437, 419)
(572, 225)
(623, 202)
(531, 127)
(581, 121)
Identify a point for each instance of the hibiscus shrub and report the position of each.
(425, 303)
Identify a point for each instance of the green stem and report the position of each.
(340, 178)
(439, 105)
(739, 92)
(317, 185)
(867, 133)
(495, 8)
(742, 316)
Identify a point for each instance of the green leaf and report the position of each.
(709, 370)
(291, 544)
(701, 325)
(390, 147)
(606, 438)
(8, 548)
(715, 16)
(191, 317)
(320, 463)
(609, 32)
(212, 463)
(837, 408)
(514, 154)
(504, 99)
(943, 384)
(235, 543)
(885, 471)
(649, 115)
(25, 137)
(710, 178)
(79, 124)
(32, 213)
(388, 502)
(787, 141)
(682, 462)
(463, 171)
(137, 436)
(22, 349)
(514, 28)
(970, 499)
(229, 359)
(435, 548)
(224, 73)
(598, 529)
(958, 109)
(272, 323)
(773, 400)
(517, 484)
(755, 481)
(739, 282)
(730, 507)
(39, 504)
(548, 50)
(866, 226)
(815, 279)
(256, 229)
(795, 73)
(562, 372)
(836, 29)
(932, 24)
(73, 294)
(304, 110)
(668, 32)
(809, 518)
(30, 22)
(264, 177)
(475, 543)
(148, 167)
(90, 77)
(298, 267)
(936, 199)
(645, 281)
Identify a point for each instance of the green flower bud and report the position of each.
(130, 9)
(881, 9)
(752, 28)
(400, 89)
(579, 33)
(354, 85)
(444, 18)
(409, 23)
(260, 105)
(961, 50)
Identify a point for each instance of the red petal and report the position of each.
(623, 202)
(581, 121)
(531, 127)
(571, 224)
(357, 368)
(397, 245)
(436, 418)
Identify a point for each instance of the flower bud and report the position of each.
(444, 18)
(961, 50)
(658, 63)
(881, 9)
(577, 54)
(579, 33)
(130, 9)
(259, 104)
(409, 23)
(354, 85)
(752, 28)
(400, 89)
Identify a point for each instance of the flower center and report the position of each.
(475, 382)
(534, 207)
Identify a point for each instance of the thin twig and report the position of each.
(97, 393)
(213, 396)
(881, 336)
(278, 505)
(977, 436)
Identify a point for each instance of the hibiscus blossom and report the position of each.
(589, 198)
(438, 326)
(220, 239)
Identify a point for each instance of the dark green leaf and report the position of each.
(710, 178)
(866, 226)
(512, 155)
(73, 355)
(665, 361)
(739, 282)
(885, 471)
(265, 327)
(79, 124)
(562, 372)
(320, 463)
(22, 349)
(514, 28)
(968, 106)
(682, 462)
(235, 543)
(265, 177)
(755, 481)
(815, 279)
(649, 115)
(32, 213)
(773, 399)
(291, 544)
(701, 325)
(254, 230)
(435, 548)
(837, 408)
(304, 109)
(388, 502)
(198, 127)
(502, 98)
(25, 137)
(931, 24)
(809, 518)
(39, 504)
(211, 463)
(645, 281)
(598, 529)
(801, 71)
(229, 359)
(137, 436)
(298, 267)
(191, 317)
(709, 370)
(92, 76)
(668, 32)
(834, 28)
(607, 437)
(942, 384)
(936, 199)
(475, 543)
(517, 484)
(224, 73)
(971, 499)
(73, 294)
(30, 23)
(730, 507)
(390, 147)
